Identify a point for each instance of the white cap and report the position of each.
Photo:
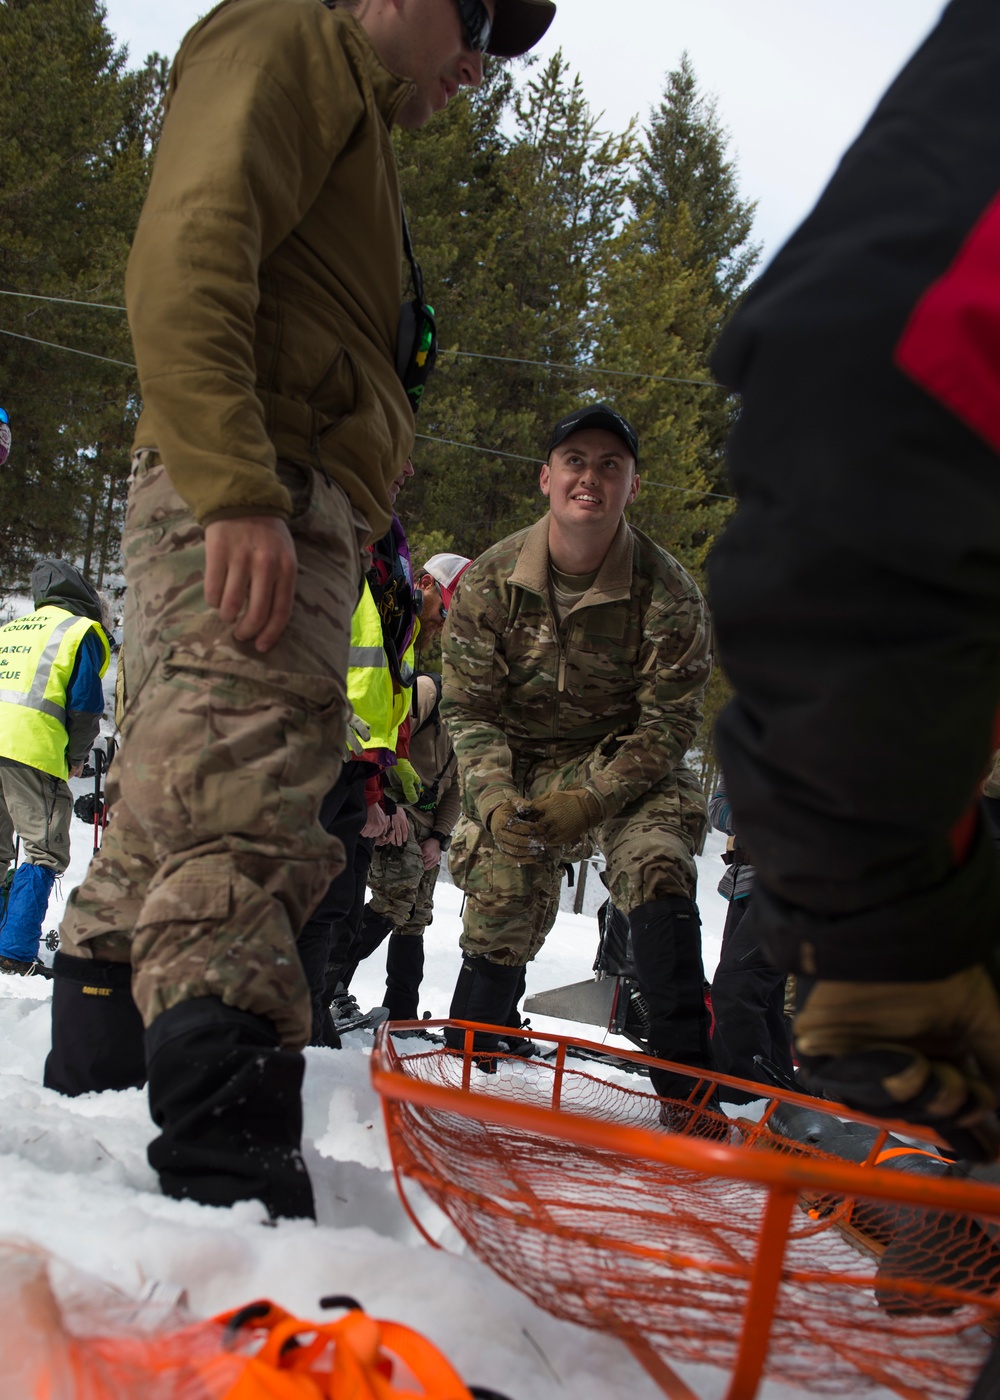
(446, 570)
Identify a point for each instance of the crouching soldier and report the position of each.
(575, 659)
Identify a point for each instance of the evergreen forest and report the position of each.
(565, 263)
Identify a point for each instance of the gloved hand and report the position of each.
(409, 779)
(926, 1052)
(563, 817)
(512, 826)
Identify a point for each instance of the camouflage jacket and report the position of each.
(628, 665)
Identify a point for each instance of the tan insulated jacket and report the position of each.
(264, 282)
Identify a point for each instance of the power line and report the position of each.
(68, 348)
(583, 369)
(537, 462)
(424, 437)
(474, 447)
(64, 301)
(464, 354)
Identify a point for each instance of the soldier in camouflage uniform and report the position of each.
(575, 660)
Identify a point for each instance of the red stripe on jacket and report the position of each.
(951, 343)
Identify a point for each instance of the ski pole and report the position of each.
(777, 1076)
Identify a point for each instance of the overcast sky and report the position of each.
(794, 79)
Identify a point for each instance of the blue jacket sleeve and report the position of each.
(84, 700)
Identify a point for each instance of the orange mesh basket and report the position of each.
(758, 1255)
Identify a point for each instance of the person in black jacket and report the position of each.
(857, 598)
(748, 992)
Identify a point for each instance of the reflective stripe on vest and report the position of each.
(367, 656)
(35, 697)
(40, 651)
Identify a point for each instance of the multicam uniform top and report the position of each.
(621, 677)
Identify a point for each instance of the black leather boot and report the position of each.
(485, 991)
(227, 1100)
(404, 970)
(97, 1032)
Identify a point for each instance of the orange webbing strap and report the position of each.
(351, 1359)
(890, 1152)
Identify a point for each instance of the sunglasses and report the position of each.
(476, 22)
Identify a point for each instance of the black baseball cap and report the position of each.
(595, 415)
(518, 25)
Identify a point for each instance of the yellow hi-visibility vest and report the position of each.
(369, 680)
(37, 656)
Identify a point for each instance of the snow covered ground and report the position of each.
(76, 1182)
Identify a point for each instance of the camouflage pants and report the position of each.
(214, 855)
(649, 847)
(401, 888)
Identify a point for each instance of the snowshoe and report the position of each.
(363, 1021)
(416, 1033)
(348, 1016)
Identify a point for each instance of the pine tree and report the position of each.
(684, 165)
(687, 192)
(655, 311)
(515, 238)
(76, 130)
(683, 262)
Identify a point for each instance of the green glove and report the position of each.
(563, 817)
(514, 832)
(927, 1052)
(409, 779)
